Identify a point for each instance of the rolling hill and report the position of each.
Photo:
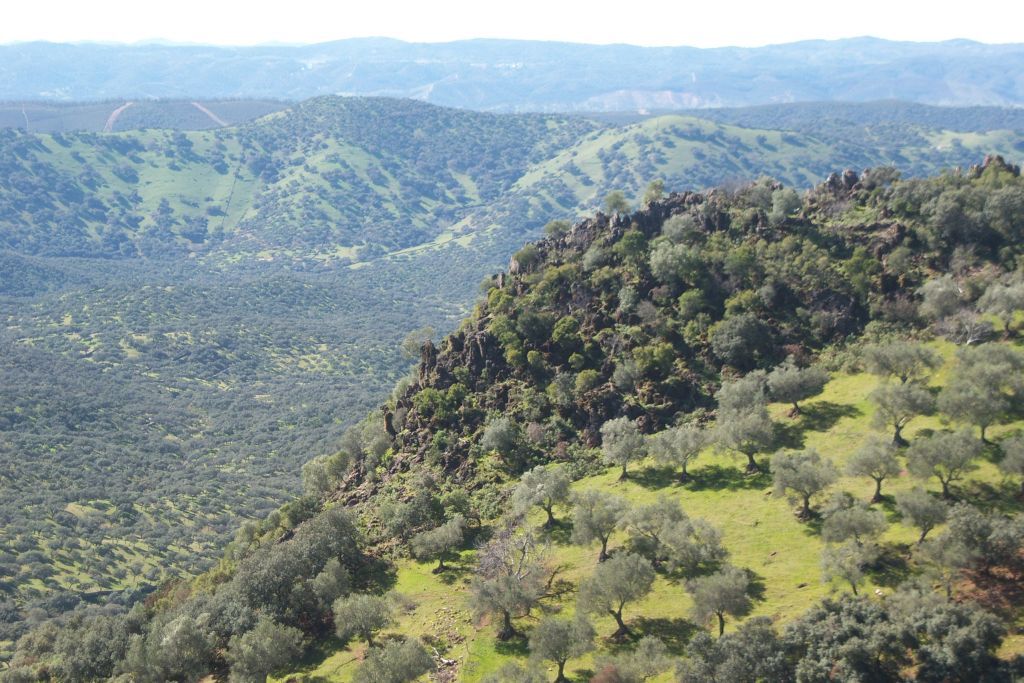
(194, 314)
(765, 340)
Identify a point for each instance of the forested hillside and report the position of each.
(190, 316)
(743, 434)
(121, 115)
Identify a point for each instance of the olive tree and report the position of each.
(985, 387)
(847, 561)
(646, 660)
(679, 447)
(361, 615)
(559, 640)
(1003, 300)
(743, 394)
(267, 647)
(903, 360)
(943, 559)
(719, 594)
(397, 662)
(613, 585)
(512, 672)
(897, 404)
(648, 524)
(788, 383)
(692, 544)
(875, 459)
(545, 486)
(622, 443)
(947, 456)
(748, 434)
(595, 516)
(509, 577)
(743, 424)
(921, 509)
(848, 519)
(1012, 463)
(664, 534)
(805, 473)
(437, 543)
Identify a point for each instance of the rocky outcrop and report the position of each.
(993, 161)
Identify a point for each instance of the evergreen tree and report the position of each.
(439, 542)
(397, 662)
(267, 647)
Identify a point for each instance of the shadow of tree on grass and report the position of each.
(891, 568)
(656, 477)
(721, 478)
(823, 415)
(516, 646)
(675, 632)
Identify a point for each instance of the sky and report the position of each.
(706, 23)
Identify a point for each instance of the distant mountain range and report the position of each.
(506, 75)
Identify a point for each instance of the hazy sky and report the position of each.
(705, 23)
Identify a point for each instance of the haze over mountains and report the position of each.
(506, 75)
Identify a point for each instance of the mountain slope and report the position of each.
(587, 327)
(625, 327)
(219, 306)
(347, 173)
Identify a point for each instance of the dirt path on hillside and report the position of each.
(213, 117)
(112, 119)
